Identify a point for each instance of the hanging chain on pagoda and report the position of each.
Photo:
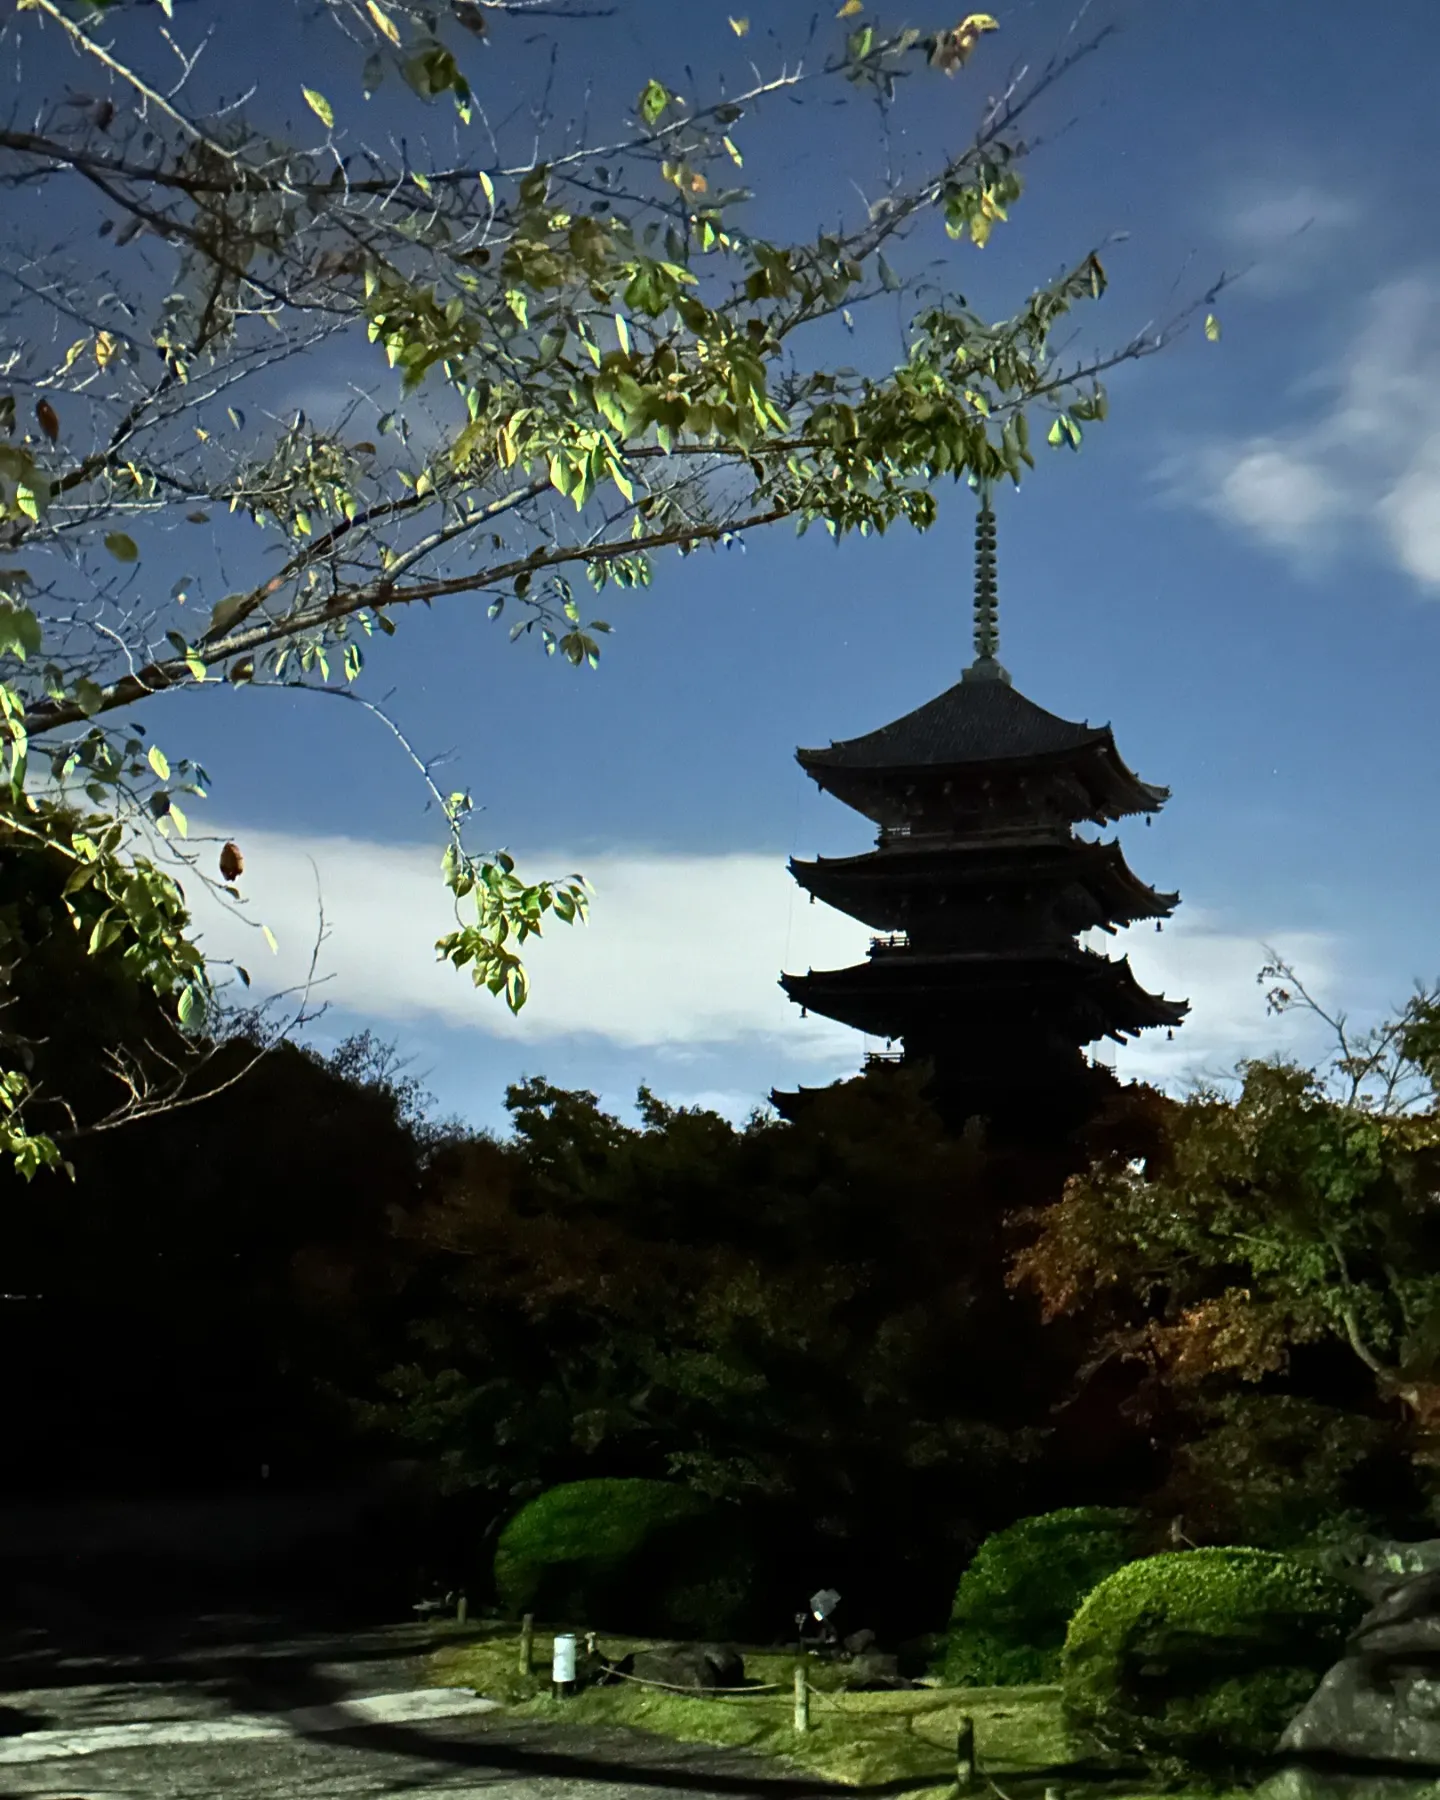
(987, 599)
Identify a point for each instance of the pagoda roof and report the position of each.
(970, 725)
(974, 721)
(898, 995)
(959, 863)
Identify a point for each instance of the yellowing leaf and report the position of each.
(383, 20)
(487, 187)
(739, 26)
(159, 762)
(320, 106)
(1212, 328)
(106, 349)
(270, 938)
(850, 8)
(952, 48)
(735, 156)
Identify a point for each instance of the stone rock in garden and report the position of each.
(1380, 1565)
(873, 1672)
(699, 1666)
(608, 1673)
(859, 1642)
(1381, 1701)
(1296, 1782)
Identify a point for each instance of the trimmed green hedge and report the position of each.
(1014, 1602)
(642, 1557)
(1199, 1658)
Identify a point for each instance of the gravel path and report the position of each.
(248, 1712)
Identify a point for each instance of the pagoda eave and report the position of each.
(868, 886)
(897, 996)
(1096, 784)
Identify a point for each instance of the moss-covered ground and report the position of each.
(861, 1739)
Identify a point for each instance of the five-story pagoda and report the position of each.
(981, 888)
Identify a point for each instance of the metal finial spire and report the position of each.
(987, 599)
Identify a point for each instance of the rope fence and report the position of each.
(967, 1770)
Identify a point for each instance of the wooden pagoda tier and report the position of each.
(1053, 1001)
(981, 881)
(999, 891)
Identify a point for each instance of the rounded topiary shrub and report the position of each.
(1199, 1658)
(641, 1557)
(1015, 1600)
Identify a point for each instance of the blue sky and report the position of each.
(1239, 572)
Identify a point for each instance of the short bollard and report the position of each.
(462, 1608)
(562, 1664)
(965, 1756)
(802, 1700)
(527, 1642)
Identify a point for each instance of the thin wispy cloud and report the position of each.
(683, 952)
(1362, 464)
(1282, 231)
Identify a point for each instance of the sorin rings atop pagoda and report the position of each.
(981, 889)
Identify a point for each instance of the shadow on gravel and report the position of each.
(270, 1664)
(266, 1663)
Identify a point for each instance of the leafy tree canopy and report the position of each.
(595, 359)
(1300, 1211)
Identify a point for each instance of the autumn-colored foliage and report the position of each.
(1255, 1232)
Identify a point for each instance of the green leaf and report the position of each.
(269, 936)
(121, 546)
(654, 98)
(159, 762)
(1212, 328)
(320, 106)
(19, 631)
(224, 612)
(88, 697)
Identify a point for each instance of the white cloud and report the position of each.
(1367, 462)
(679, 950)
(730, 1103)
(1287, 228)
(1214, 966)
(683, 953)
